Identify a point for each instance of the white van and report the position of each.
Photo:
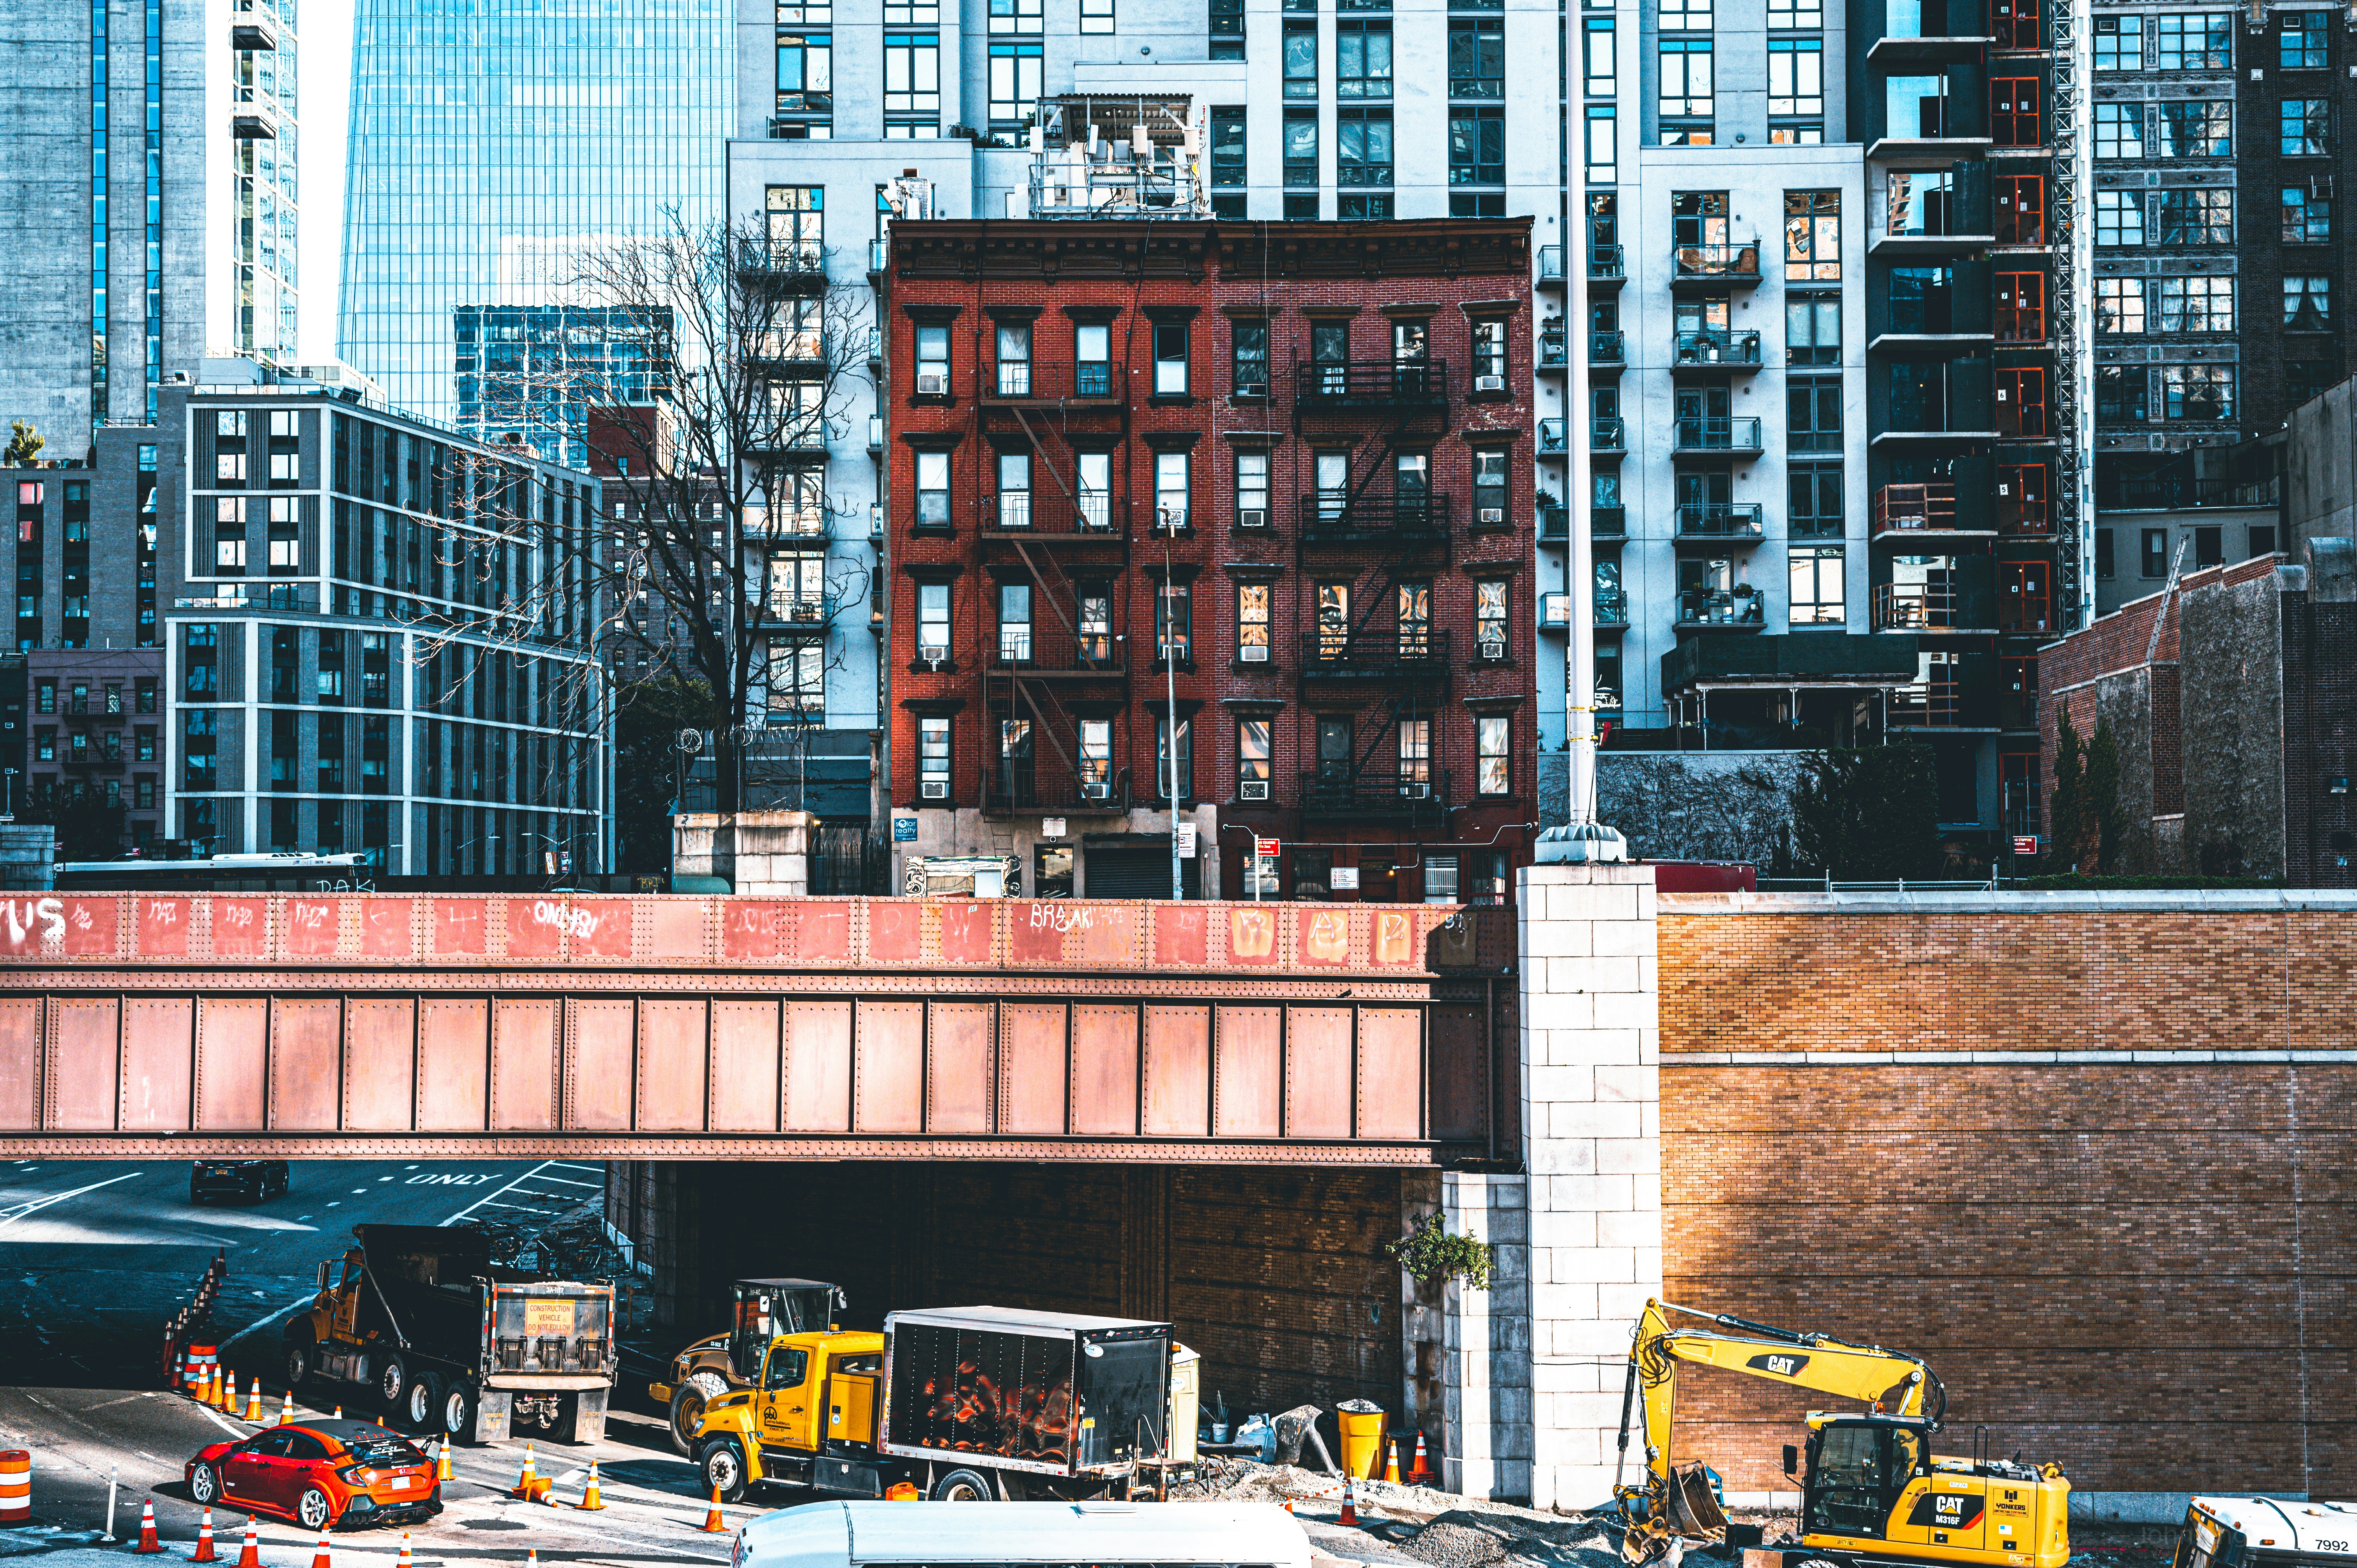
(1018, 1535)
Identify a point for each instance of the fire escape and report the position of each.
(1055, 687)
(1371, 539)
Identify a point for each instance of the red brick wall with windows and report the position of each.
(1065, 291)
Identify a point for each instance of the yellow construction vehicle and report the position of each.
(1871, 1489)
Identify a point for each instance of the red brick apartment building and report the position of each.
(1317, 439)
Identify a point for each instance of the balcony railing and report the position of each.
(1555, 520)
(1720, 521)
(1014, 787)
(1609, 433)
(1718, 433)
(1338, 793)
(1371, 384)
(1608, 521)
(1924, 506)
(1551, 437)
(1721, 606)
(1607, 348)
(1714, 264)
(1611, 606)
(788, 522)
(1409, 653)
(1552, 349)
(1935, 705)
(879, 253)
(797, 612)
(1719, 348)
(1326, 518)
(1607, 263)
(1918, 606)
(1033, 380)
(1049, 512)
(778, 257)
(805, 350)
(1551, 263)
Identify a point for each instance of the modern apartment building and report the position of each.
(490, 150)
(149, 195)
(369, 640)
(1229, 517)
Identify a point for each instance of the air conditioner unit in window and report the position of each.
(1252, 653)
(1494, 514)
(1249, 388)
(1252, 789)
(937, 385)
(934, 788)
(1416, 789)
(933, 654)
(1493, 647)
(1095, 790)
(1488, 384)
(1251, 517)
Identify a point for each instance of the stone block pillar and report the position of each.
(1591, 1149)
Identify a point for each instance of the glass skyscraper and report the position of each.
(493, 142)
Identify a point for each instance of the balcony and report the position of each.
(1555, 520)
(1608, 433)
(1607, 524)
(1410, 654)
(1555, 612)
(1919, 510)
(1608, 350)
(1013, 788)
(1324, 518)
(1049, 514)
(791, 352)
(805, 521)
(1721, 609)
(1030, 381)
(1608, 267)
(1928, 607)
(1424, 801)
(879, 256)
(1550, 266)
(1553, 351)
(1611, 609)
(1715, 353)
(1713, 266)
(803, 614)
(1921, 33)
(1719, 522)
(1718, 436)
(1371, 384)
(255, 119)
(1929, 128)
(1050, 651)
(1550, 438)
(253, 30)
(781, 261)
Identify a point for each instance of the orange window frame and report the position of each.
(2024, 600)
(2021, 210)
(2021, 307)
(2013, 110)
(2021, 402)
(2021, 498)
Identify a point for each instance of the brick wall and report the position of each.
(2139, 1268)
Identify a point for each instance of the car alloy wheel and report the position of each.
(314, 1509)
(204, 1484)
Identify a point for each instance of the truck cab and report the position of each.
(809, 1418)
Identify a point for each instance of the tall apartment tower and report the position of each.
(149, 195)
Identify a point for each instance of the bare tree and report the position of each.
(711, 367)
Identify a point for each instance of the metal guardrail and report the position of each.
(1372, 383)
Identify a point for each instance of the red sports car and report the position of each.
(320, 1473)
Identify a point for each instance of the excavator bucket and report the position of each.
(1691, 1509)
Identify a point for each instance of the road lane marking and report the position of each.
(11, 1215)
(487, 1197)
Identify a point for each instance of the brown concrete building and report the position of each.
(1317, 439)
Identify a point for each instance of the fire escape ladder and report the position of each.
(2068, 36)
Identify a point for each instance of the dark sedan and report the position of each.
(251, 1180)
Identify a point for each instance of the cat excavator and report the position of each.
(1872, 1492)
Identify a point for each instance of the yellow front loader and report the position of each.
(1871, 1490)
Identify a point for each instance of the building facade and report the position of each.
(1243, 506)
(376, 636)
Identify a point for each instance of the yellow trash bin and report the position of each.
(1362, 1438)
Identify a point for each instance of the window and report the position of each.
(1015, 623)
(1363, 59)
(2013, 111)
(1227, 30)
(2307, 217)
(1813, 328)
(199, 738)
(2197, 217)
(932, 358)
(1301, 60)
(2153, 558)
(2119, 43)
(1813, 500)
(2209, 546)
(2196, 128)
(1174, 621)
(2119, 217)
(1477, 146)
(1796, 76)
(1493, 753)
(2020, 202)
(1248, 359)
(79, 701)
(1812, 236)
(1301, 151)
(200, 659)
(2104, 554)
(932, 757)
(1014, 490)
(285, 544)
(1489, 618)
(1602, 149)
(1015, 16)
(144, 695)
(913, 83)
(1362, 141)
(2119, 305)
(1228, 163)
(1096, 757)
(1095, 623)
(932, 490)
(1687, 88)
(1163, 760)
(143, 795)
(2119, 130)
(805, 72)
(933, 621)
(229, 468)
(1096, 15)
(228, 536)
(2196, 391)
(1254, 759)
(1490, 354)
(1816, 577)
(1015, 360)
(1685, 15)
(1813, 414)
(2307, 304)
(2021, 307)
(1791, 16)
(2196, 41)
(2122, 395)
(2197, 305)
(44, 694)
(1253, 623)
(2016, 24)
(2262, 541)
(1170, 359)
(1251, 489)
(45, 744)
(1599, 62)
(2306, 127)
(1490, 487)
(1171, 491)
(2301, 43)
(1014, 78)
(2021, 402)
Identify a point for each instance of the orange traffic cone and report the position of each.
(339, 1412)
(287, 1409)
(147, 1541)
(1421, 1470)
(204, 1551)
(253, 1403)
(526, 1478)
(213, 1387)
(404, 1549)
(1390, 1460)
(1288, 1505)
(229, 1397)
(589, 1498)
(1350, 1498)
(252, 1556)
(324, 1557)
(442, 1460)
(713, 1524)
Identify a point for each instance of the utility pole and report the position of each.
(1169, 528)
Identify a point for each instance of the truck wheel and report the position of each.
(392, 1382)
(299, 1362)
(423, 1402)
(964, 1486)
(724, 1469)
(687, 1407)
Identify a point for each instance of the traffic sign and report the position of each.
(1265, 849)
(2025, 844)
